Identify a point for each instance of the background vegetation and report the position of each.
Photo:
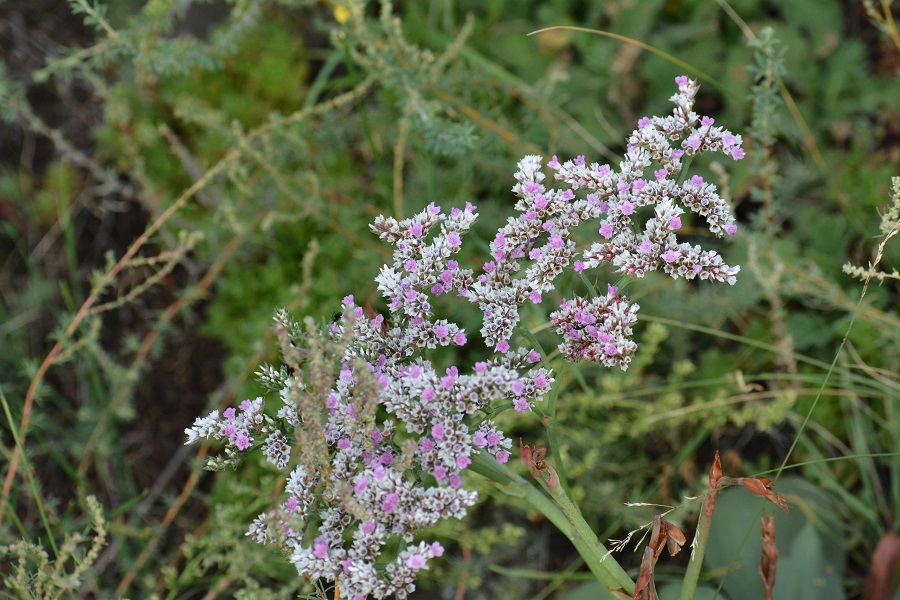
(173, 171)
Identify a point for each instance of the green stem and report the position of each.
(598, 558)
(565, 515)
(698, 549)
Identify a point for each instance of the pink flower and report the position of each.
(320, 548)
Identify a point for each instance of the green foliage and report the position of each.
(32, 573)
(810, 550)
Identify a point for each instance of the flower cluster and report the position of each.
(542, 232)
(369, 478)
(376, 437)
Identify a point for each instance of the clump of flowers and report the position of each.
(375, 436)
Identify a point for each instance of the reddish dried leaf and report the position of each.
(526, 451)
(675, 538)
(766, 482)
(657, 537)
(769, 560)
(642, 584)
(540, 453)
(715, 472)
(885, 569)
(760, 487)
(553, 480)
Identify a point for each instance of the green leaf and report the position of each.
(811, 556)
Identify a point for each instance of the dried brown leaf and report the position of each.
(769, 559)
(715, 472)
(761, 487)
(643, 584)
(884, 572)
(675, 538)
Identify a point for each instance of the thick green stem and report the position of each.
(698, 549)
(565, 515)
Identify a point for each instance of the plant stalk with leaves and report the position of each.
(376, 436)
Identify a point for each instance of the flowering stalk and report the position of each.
(376, 436)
